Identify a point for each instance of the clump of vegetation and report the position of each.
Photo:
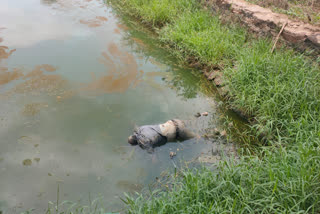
(202, 35)
(281, 90)
(157, 13)
(279, 184)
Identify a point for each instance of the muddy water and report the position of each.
(74, 81)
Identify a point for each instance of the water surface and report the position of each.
(74, 81)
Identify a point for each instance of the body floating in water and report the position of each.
(150, 136)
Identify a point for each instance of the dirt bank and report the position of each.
(265, 22)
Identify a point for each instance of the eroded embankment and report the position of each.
(279, 90)
(265, 22)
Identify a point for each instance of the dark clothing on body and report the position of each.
(149, 137)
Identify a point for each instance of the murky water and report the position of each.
(74, 81)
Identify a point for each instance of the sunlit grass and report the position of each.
(202, 35)
(155, 12)
(279, 184)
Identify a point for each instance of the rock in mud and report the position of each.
(224, 91)
(197, 114)
(218, 81)
(223, 133)
(172, 154)
(205, 114)
(216, 131)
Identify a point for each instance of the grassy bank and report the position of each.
(279, 90)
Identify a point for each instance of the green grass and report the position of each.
(154, 12)
(281, 89)
(279, 184)
(281, 92)
(198, 34)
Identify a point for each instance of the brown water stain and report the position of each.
(46, 67)
(102, 18)
(155, 74)
(117, 31)
(3, 69)
(139, 42)
(122, 26)
(41, 83)
(114, 50)
(66, 95)
(37, 81)
(34, 73)
(33, 108)
(5, 53)
(6, 76)
(122, 71)
(96, 22)
(154, 62)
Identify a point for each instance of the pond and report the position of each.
(74, 82)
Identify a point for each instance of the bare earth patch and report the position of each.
(305, 10)
(265, 21)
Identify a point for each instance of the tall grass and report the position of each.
(279, 184)
(279, 90)
(155, 12)
(199, 34)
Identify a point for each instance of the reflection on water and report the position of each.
(122, 71)
(96, 22)
(73, 84)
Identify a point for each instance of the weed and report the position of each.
(201, 35)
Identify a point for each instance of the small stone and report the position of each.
(224, 133)
(49, 174)
(172, 154)
(27, 162)
(37, 159)
(216, 131)
(205, 114)
(218, 81)
(197, 115)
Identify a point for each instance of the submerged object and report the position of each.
(150, 136)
